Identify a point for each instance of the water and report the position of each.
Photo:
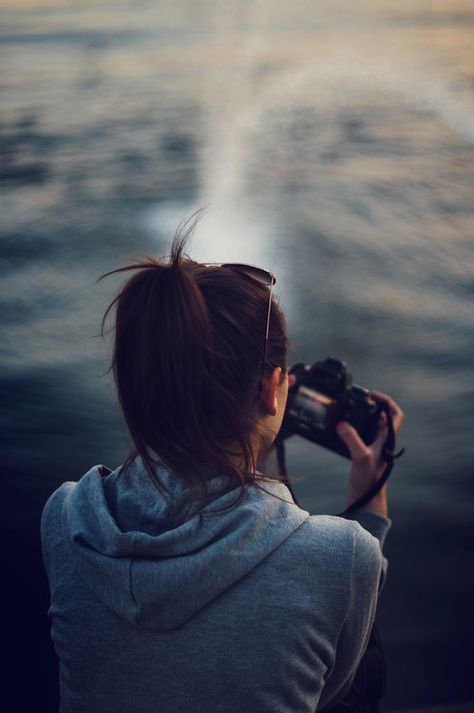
(334, 144)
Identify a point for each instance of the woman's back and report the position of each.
(186, 580)
(156, 607)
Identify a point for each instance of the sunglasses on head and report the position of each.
(264, 277)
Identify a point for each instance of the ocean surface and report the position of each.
(333, 143)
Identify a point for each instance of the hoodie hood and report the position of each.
(158, 559)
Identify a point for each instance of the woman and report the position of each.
(186, 579)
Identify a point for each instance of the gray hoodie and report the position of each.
(161, 606)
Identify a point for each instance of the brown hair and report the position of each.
(187, 361)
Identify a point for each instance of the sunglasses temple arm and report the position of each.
(267, 327)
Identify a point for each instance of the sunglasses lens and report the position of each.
(266, 278)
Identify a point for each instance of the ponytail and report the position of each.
(184, 332)
(187, 349)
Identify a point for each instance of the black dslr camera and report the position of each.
(323, 395)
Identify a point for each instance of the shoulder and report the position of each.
(51, 520)
(323, 548)
(53, 505)
(80, 492)
(328, 532)
(333, 563)
(343, 545)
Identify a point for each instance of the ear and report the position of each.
(269, 391)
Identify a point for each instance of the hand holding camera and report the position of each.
(368, 464)
(325, 407)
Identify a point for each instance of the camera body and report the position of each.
(323, 395)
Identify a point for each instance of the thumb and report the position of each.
(356, 446)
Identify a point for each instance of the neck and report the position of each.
(261, 455)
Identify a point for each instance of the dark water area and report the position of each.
(335, 150)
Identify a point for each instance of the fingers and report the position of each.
(394, 409)
(358, 450)
(382, 419)
(381, 437)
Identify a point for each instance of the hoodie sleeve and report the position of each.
(366, 570)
